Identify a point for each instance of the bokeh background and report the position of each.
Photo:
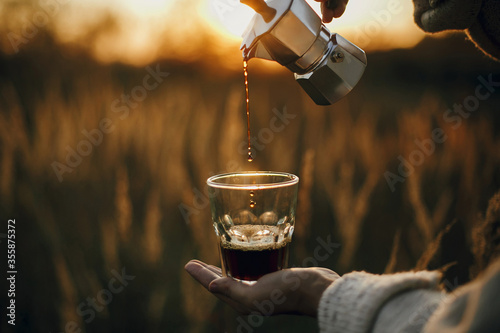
(103, 165)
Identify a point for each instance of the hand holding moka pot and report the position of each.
(325, 64)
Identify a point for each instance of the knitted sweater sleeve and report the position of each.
(471, 308)
(362, 302)
(410, 302)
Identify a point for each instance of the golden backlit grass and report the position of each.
(120, 206)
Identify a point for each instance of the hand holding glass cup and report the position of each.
(254, 216)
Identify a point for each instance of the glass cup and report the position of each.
(253, 215)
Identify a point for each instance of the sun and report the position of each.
(146, 28)
(380, 24)
(228, 16)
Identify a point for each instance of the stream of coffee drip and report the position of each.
(250, 157)
(245, 73)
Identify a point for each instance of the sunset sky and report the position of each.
(139, 31)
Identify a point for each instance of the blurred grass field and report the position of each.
(136, 201)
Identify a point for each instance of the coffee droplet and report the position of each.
(245, 73)
(252, 202)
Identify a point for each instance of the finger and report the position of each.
(340, 8)
(199, 271)
(326, 13)
(332, 9)
(328, 272)
(235, 290)
(206, 274)
(213, 268)
(246, 294)
(235, 293)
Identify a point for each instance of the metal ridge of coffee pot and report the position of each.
(325, 64)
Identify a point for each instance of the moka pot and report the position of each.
(326, 65)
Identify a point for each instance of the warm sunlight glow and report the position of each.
(147, 7)
(229, 17)
(140, 31)
(383, 24)
(141, 8)
(372, 25)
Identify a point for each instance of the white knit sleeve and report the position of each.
(470, 308)
(351, 303)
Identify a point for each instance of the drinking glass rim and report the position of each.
(292, 180)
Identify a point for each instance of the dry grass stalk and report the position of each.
(486, 237)
(353, 214)
(111, 244)
(393, 259)
(6, 171)
(422, 215)
(427, 221)
(198, 304)
(304, 204)
(432, 248)
(418, 126)
(157, 301)
(201, 149)
(231, 129)
(209, 152)
(152, 238)
(345, 144)
(123, 204)
(69, 294)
